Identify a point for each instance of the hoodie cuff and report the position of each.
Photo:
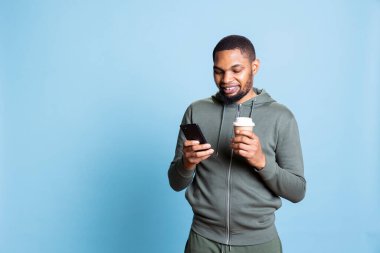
(269, 170)
(182, 171)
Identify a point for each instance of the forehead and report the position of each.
(230, 57)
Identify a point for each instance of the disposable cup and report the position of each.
(244, 123)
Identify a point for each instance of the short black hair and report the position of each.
(236, 42)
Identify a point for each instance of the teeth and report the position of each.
(230, 89)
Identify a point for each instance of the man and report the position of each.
(235, 181)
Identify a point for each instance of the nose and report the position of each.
(227, 77)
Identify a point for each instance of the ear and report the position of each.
(255, 66)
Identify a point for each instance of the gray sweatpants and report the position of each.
(199, 244)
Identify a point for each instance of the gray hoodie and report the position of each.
(233, 203)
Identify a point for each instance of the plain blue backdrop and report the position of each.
(92, 94)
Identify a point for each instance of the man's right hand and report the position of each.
(192, 154)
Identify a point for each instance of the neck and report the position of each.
(250, 94)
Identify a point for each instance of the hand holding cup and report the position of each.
(247, 144)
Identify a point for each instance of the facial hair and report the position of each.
(233, 99)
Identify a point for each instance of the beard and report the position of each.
(233, 99)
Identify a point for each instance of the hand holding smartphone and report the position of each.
(194, 154)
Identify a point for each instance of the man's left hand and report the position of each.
(247, 145)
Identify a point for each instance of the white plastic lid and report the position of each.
(244, 121)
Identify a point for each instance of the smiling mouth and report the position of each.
(230, 90)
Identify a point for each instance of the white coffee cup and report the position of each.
(244, 123)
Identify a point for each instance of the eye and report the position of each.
(236, 71)
(217, 72)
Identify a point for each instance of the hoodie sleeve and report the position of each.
(179, 177)
(284, 173)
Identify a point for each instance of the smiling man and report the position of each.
(235, 182)
(233, 73)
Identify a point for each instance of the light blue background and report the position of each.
(92, 93)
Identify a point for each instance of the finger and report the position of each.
(188, 143)
(197, 154)
(201, 147)
(197, 160)
(243, 139)
(245, 154)
(249, 134)
(196, 148)
(201, 154)
(245, 147)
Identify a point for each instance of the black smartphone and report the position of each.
(193, 132)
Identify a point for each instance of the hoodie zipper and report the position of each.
(229, 188)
